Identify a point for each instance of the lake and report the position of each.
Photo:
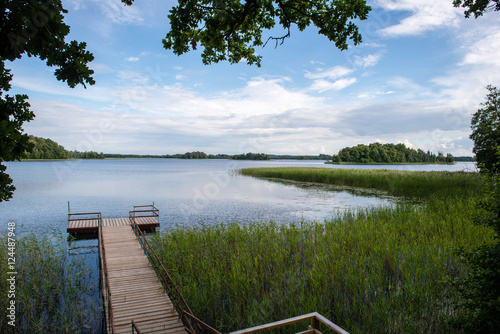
(187, 192)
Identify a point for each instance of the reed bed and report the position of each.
(410, 184)
(51, 293)
(379, 270)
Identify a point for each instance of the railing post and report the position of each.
(315, 323)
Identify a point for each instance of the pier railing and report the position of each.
(191, 323)
(145, 211)
(84, 216)
(135, 328)
(106, 292)
(315, 318)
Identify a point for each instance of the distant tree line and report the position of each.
(465, 159)
(203, 155)
(251, 156)
(301, 157)
(198, 155)
(45, 148)
(194, 155)
(388, 153)
(85, 155)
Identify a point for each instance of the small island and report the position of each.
(377, 153)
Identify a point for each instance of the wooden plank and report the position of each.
(91, 225)
(135, 289)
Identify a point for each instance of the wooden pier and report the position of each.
(92, 225)
(137, 299)
(136, 292)
(146, 216)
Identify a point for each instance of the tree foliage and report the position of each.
(194, 155)
(34, 28)
(477, 7)
(251, 156)
(479, 307)
(232, 29)
(45, 148)
(388, 153)
(485, 127)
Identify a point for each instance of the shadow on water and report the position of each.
(321, 187)
(332, 200)
(85, 248)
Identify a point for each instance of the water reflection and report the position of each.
(186, 192)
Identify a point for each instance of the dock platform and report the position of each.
(136, 292)
(146, 217)
(92, 225)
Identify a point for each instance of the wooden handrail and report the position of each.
(135, 328)
(84, 213)
(314, 317)
(111, 324)
(199, 322)
(153, 211)
(98, 214)
(178, 300)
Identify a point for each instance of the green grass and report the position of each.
(410, 184)
(51, 295)
(381, 270)
(389, 163)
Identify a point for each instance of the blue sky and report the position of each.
(417, 78)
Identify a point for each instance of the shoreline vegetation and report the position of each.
(378, 270)
(389, 163)
(388, 154)
(52, 294)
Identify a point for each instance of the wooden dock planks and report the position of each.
(92, 225)
(136, 293)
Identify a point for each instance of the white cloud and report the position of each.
(117, 12)
(132, 59)
(57, 88)
(324, 85)
(367, 61)
(331, 73)
(485, 51)
(425, 15)
(330, 79)
(114, 10)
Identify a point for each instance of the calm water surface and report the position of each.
(187, 192)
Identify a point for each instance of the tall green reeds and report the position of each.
(412, 184)
(51, 295)
(381, 270)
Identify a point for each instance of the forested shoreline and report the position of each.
(47, 149)
(388, 153)
(375, 153)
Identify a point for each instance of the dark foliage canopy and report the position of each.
(251, 156)
(34, 28)
(485, 125)
(388, 153)
(477, 7)
(45, 148)
(231, 29)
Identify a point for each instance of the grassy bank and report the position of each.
(409, 184)
(50, 294)
(389, 163)
(382, 270)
